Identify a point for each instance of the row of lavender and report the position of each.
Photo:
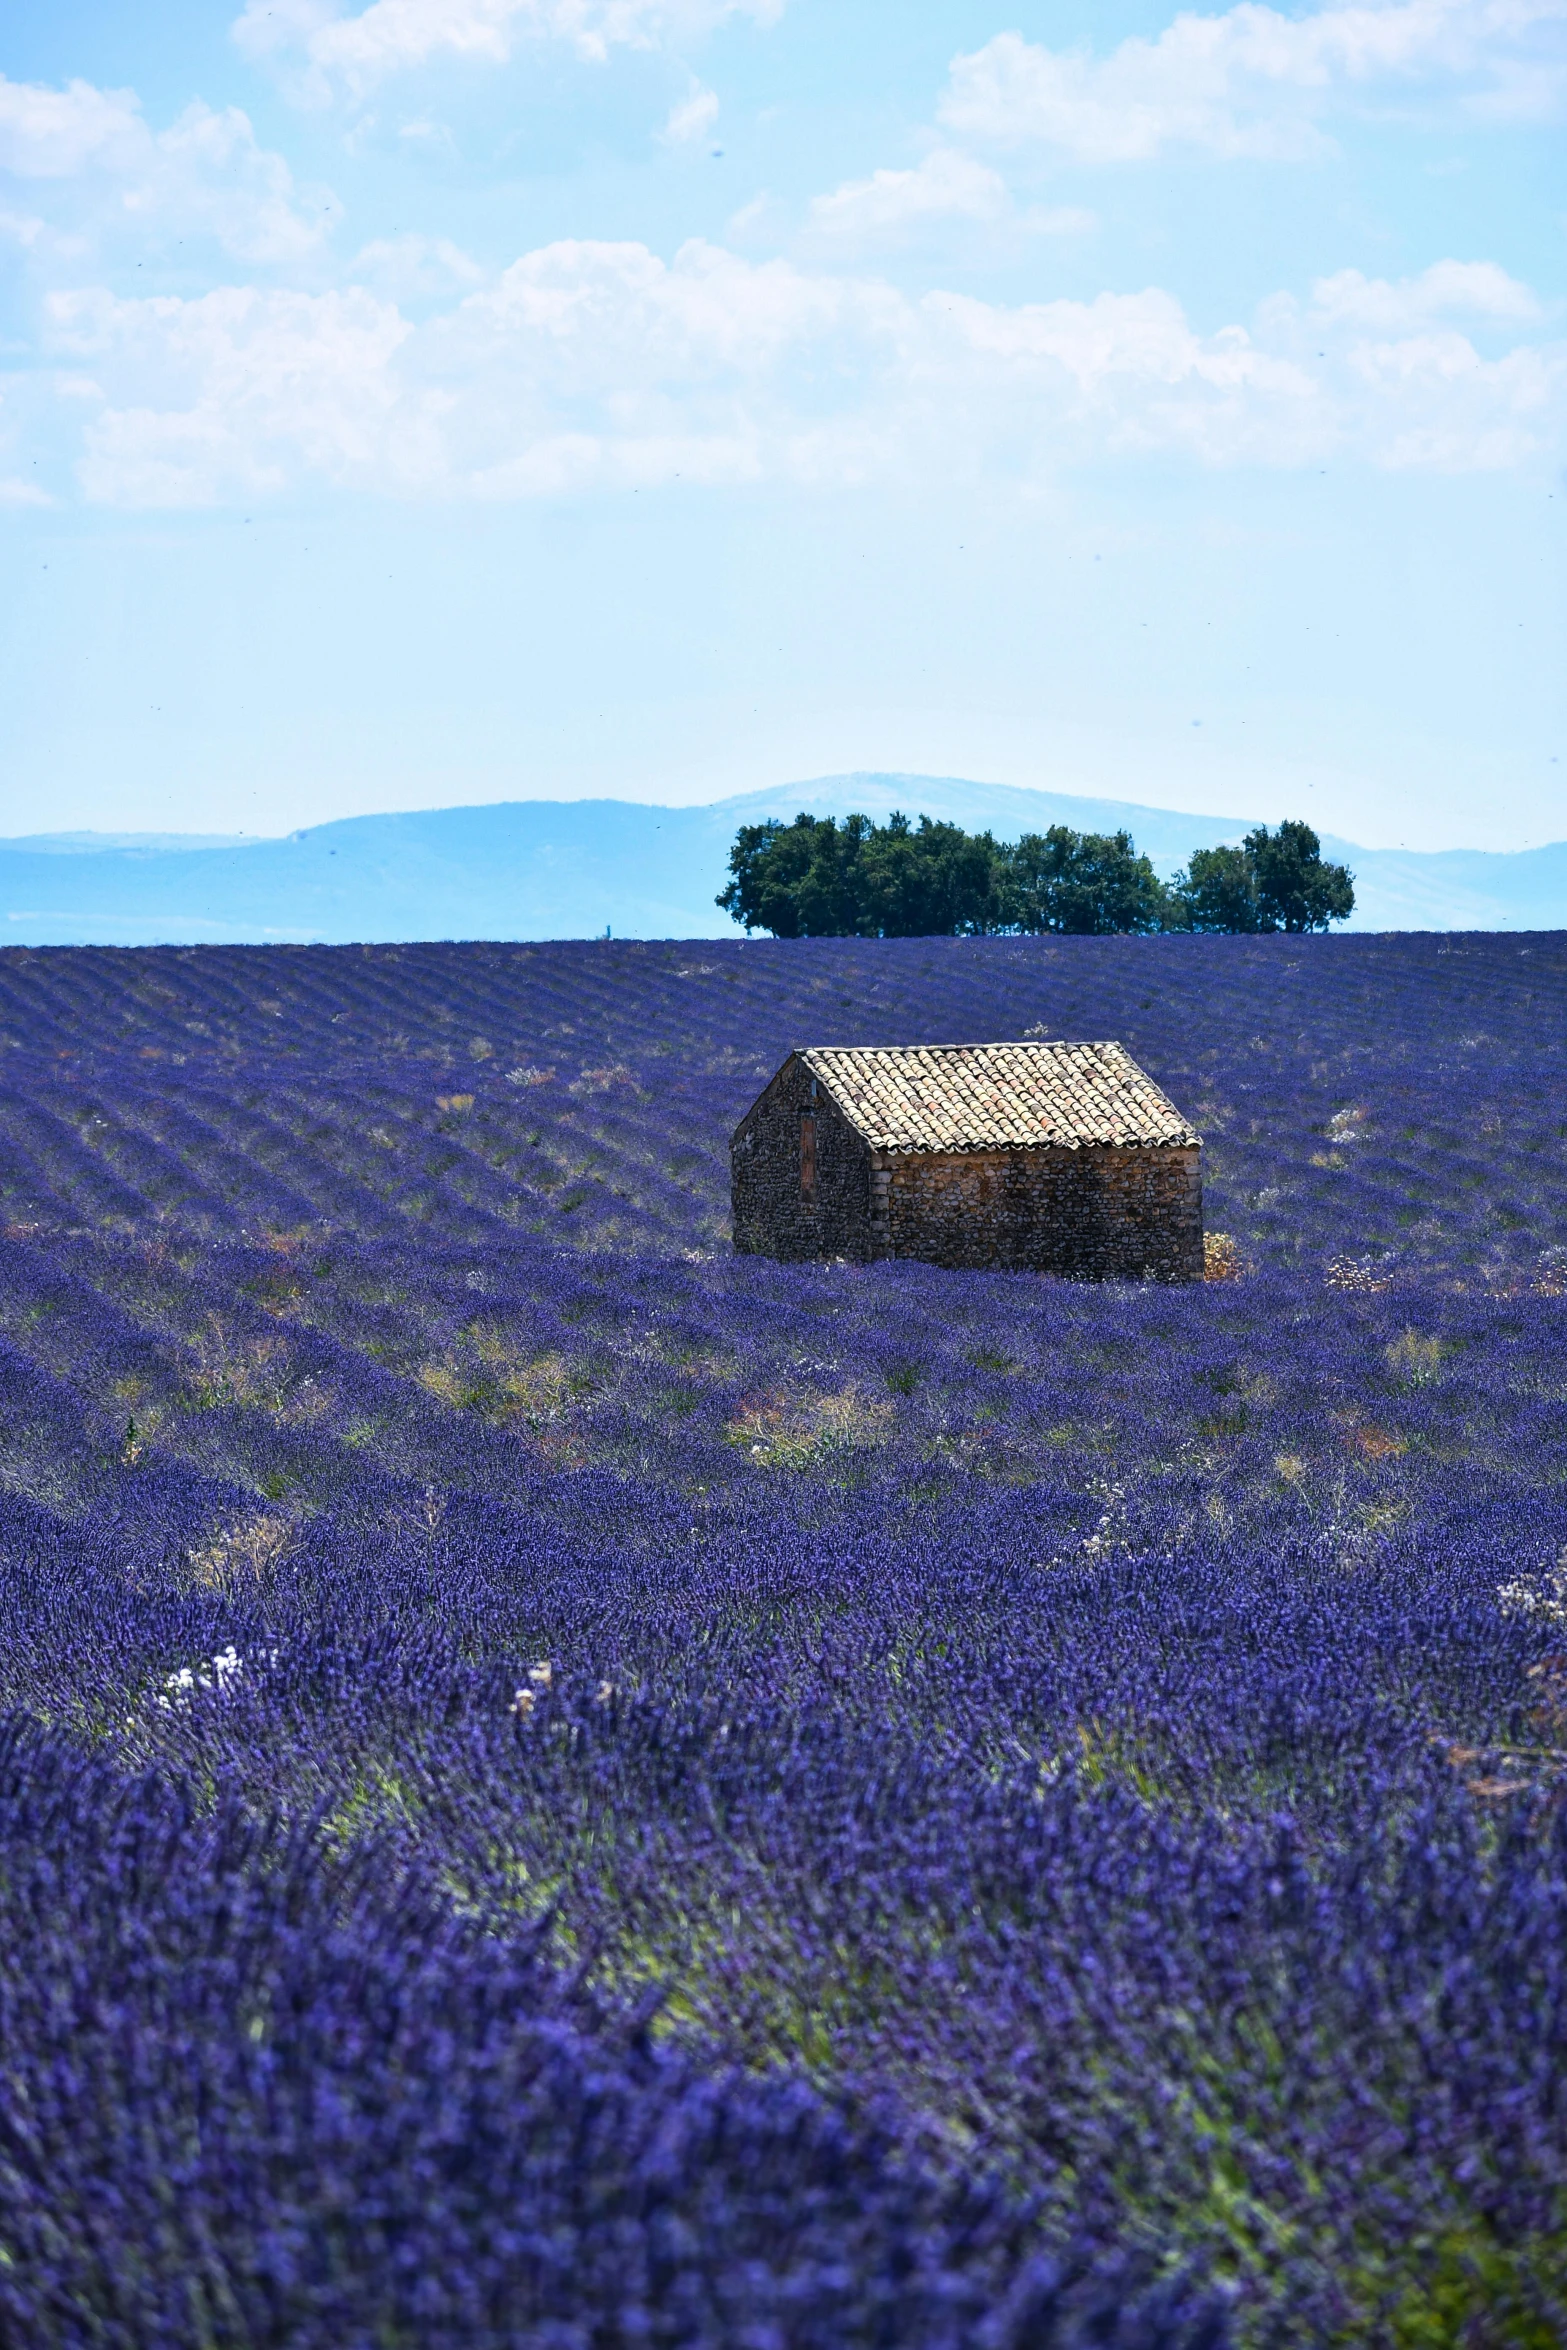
(567, 1788)
(1392, 1095)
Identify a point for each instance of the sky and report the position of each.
(440, 401)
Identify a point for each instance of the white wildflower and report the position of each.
(214, 1674)
(1541, 1597)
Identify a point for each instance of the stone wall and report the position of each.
(774, 1214)
(1097, 1214)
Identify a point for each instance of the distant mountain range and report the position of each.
(576, 868)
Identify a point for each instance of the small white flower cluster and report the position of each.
(1361, 1273)
(1111, 1537)
(540, 1676)
(1544, 1598)
(213, 1674)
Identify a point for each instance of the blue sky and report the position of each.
(446, 400)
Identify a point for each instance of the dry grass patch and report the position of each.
(792, 1429)
(503, 1386)
(243, 1554)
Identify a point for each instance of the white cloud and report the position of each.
(410, 267)
(1128, 373)
(28, 231)
(584, 363)
(1448, 289)
(692, 117)
(1421, 391)
(1442, 406)
(618, 309)
(600, 365)
(213, 176)
(324, 50)
(238, 393)
(114, 177)
(947, 185)
(1253, 82)
(54, 134)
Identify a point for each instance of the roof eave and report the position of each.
(1064, 1142)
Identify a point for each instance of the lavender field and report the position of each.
(562, 1787)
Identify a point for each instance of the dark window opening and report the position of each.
(807, 1158)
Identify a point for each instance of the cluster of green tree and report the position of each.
(819, 878)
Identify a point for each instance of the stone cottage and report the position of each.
(1043, 1158)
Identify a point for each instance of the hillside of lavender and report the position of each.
(562, 1787)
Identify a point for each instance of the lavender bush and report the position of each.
(562, 1787)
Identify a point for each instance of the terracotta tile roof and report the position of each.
(995, 1096)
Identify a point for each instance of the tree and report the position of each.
(820, 877)
(1086, 883)
(1273, 881)
(795, 880)
(817, 878)
(828, 897)
(1218, 891)
(1295, 889)
(938, 881)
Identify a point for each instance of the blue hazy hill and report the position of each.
(572, 868)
